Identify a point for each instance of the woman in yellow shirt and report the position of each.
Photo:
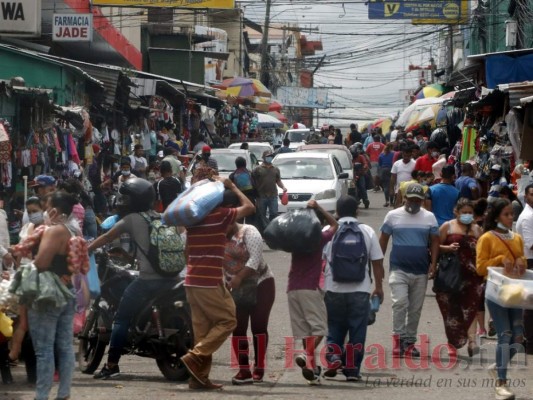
(500, 247)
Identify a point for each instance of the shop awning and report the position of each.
(517, 91)
(466, 77)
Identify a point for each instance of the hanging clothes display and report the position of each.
(469, 143)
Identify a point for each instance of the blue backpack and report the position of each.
(349, 256)
(243, 180)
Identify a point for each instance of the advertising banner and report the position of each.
(420, 11)
(20, 18)
(72, 28)
(220, 4)
(292, 96)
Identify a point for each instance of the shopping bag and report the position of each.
(448, 278)
(92, 277)
(285, 198)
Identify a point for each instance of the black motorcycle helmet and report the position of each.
(136, 195)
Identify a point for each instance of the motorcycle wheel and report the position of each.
(170, 365)
(91, 347)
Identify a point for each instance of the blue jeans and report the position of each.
(509, 326)
(53, 329)
(347, 314)
(361, 188)
(135, 297)
(270, 203)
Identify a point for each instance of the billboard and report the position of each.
(20, 18)
(167, 3)
(420, 11)
(292, 96)
(72, 28)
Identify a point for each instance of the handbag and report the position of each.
(448, 278)
(245, 295)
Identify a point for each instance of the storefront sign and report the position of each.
(167, 3)
(20, 18)
(72, 28)
(291, 96)
(421, 11)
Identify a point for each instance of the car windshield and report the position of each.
(226, 161)
(304, 168)
(298, 136)
(258, 151)
(340, 154)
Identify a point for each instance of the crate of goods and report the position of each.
(509, 292)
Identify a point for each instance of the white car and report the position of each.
(342, 154)
(298, 137)
(256, 148)
(308, 175)
(226, 161)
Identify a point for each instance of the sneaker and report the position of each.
(333, 366)
(492, 329)
(107, 373)
(257, 375)
(301, 360)
(481, 333)
(243, 377)
(386, 205)
(502, 391)
(315, 378)
(366, 203)
(409, 349)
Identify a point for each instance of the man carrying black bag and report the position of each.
(306, 303)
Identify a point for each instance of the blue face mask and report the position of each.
(268, 160)
(502, 226)
(466, 219)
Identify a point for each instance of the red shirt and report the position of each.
(206, 244)
(425, 163)
(373, 150)
(306, 268)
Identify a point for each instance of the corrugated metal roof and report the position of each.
(517, 91)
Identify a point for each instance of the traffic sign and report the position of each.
(434, 11)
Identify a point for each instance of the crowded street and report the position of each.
(429, 377)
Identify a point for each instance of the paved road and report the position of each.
(427, 378)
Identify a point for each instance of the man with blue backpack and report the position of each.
(348, 284)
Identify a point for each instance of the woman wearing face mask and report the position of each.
(35, 214)
(459, 310)
(121, 176)
(501, 247)
(52, 328)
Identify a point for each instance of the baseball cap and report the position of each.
(42, 180)
(496, 167)
(415, 190)
(206, 149)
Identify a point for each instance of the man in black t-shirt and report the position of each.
(355, 135)
(168, 187)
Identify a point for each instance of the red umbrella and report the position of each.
(278, 115)
(275, 106)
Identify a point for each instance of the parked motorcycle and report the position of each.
(162, 330)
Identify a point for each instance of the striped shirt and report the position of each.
(411, 238)
(206, 244)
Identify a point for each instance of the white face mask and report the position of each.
(36, 218)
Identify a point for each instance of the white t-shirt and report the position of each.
(374, 253)
(524, 227)
(403, 171)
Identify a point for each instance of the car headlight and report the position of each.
(326, 194)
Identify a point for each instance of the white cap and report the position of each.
(496, 167)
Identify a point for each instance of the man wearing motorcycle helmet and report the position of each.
(136, 195)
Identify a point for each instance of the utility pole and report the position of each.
(264, 75)
(450, 52)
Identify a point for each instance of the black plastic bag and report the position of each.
(296, 231)
(448, 278)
